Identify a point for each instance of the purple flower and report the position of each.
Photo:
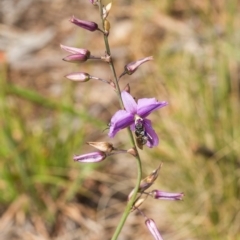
(91, 26)
(157, 194)
(90, 157)
(153, 229)
(133, 113)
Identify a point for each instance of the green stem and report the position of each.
(139, 166)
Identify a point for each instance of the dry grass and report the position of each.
(46, 119)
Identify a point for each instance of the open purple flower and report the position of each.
(135, 114)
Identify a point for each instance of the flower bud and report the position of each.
(149, 180)
(106, 10)
(102, 146)
(90, 157)
(76, 58)
(79, 76)
(151, 225)
(74, 50)
(91, 26)
(165, 195)
(130, 68)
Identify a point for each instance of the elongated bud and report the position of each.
(131, 67)
(76, 58)
(149, 180)
(151, 225)
(74, 50)
(157, 194)
(79, 76)
(106, 26)
(106, 10)
(102, 146)
(90, 157)
(90, 26)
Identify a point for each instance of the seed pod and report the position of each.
(149, 180)
(106, 26)
(138, 203)
(102, 146)
(132, 151)
(106, 10)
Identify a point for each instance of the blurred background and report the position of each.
(46, 119)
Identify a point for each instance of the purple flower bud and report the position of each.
(130, 68)
(91, 26)
(165, 195)
(76, 58)
(90, 157)
(79, 76)
(74, 50)
(153, 229)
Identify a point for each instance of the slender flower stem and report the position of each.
(100, 79)
(139, 166)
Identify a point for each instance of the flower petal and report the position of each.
(132, 127)
(146, 105)
(151, 134)
(121, 119)
(129, 103)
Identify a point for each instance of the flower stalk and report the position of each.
(138, 159)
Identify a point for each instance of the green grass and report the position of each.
(201, 130)
(36, 154)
